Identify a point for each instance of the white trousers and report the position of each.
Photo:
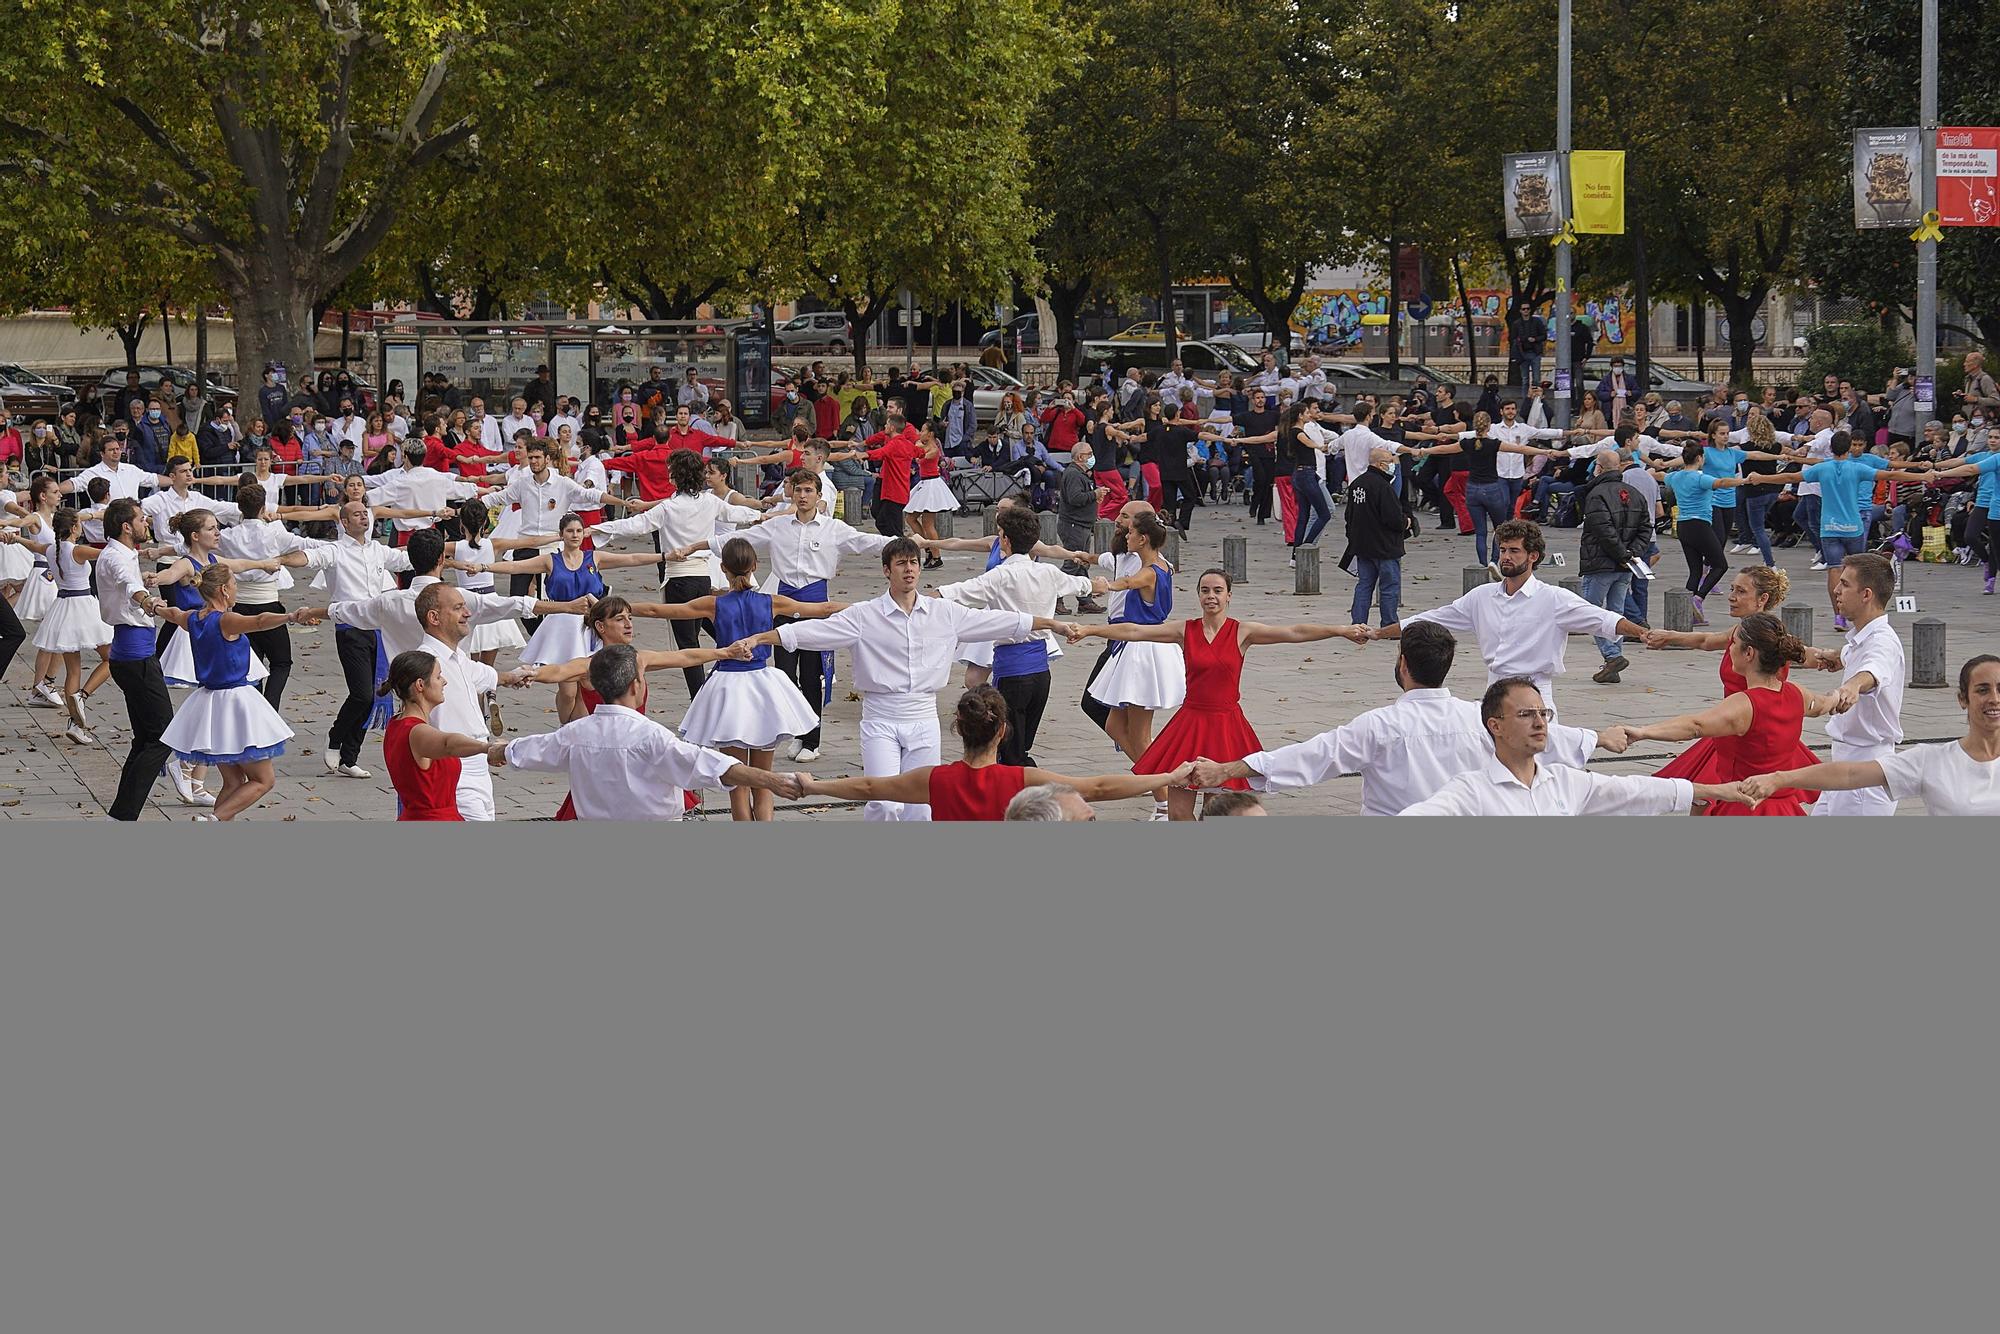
(898, 734)
(475, 788)
(1861, 801)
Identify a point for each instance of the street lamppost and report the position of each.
(1926, 367)
(1564, 244)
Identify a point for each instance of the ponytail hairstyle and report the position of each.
(406, 673)
(1772, 584)
(1482, 422)
(1765, 635)
(473, 517)
(41, 483)
(1691, 455)
(1719, 424)
(213, 580)
(981, 718)
(1150, 526)
(63, 523)
(188, 522)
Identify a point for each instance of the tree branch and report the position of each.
(151, 128)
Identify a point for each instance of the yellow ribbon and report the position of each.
(1928, 231)
(1567, 236)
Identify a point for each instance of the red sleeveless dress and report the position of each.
(960, 792)
(1772, 743)
(1210, 721)
(425, 794)
(1697, 763)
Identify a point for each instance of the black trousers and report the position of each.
(1705, 559)
(1263, 471)
(889, 518)
(687, 634)
(150, 708)
(1177, 497)
(1026, 697)
(521, 585)
(1093, 708)
(803, 670)
(274, 647)
(357, 666)
(12, 636)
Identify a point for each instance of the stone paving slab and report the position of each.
(1290, 693)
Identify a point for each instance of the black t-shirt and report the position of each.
(916, 398)
(1260, 423)
(1480, 457)
(1175, 443)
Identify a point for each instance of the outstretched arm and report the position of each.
(431, 743)
(1169, 633)
(1729, 718)
(701, 609)
(1834, 776)
(913, 787)
(1254, 634)
(1113, 787)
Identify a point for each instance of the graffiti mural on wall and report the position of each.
(1334, 317)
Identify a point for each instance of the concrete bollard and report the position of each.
(1049, 533)
(1927, 662)
(1475, 576)
(989, 521)
(943, 522)
(1173, 549)
(1798, 618)
(852, 513)
(1680, 610)
(1102, 534)
(1236, 559)
(1305, 574)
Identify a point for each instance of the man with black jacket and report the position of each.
(1375, 530)
(1077, 495)
(1617, 529)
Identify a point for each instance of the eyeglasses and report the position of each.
(1529, 715)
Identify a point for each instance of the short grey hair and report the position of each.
(1043, 802)
(613, 669)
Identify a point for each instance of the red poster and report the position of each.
(1968, 176)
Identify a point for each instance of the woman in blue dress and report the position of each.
(1141, 678)
(224, 723)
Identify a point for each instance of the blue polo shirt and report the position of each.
(1723, 461)
(1844, 484)
(1988, 495)
(1694, 494)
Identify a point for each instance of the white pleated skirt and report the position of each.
(226, 727)
(1142, 676)
(755, 710)
(177, 663)
(932, 496)
(558, 639)
(495, 635)
(37, 595)
(16, 562)
(71, 626)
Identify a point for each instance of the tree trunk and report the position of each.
(274, 322)
(1465, 305)
(1064, 303)
(860, 328)
(167, 332)
(1742, 312)
(1163, 256)
(1699, 315)
(1642, 310)
(129, 336)
(201, 347)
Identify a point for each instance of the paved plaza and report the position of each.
(1290, 693)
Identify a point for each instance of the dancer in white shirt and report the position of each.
(1867, 722)
(621, 764)
(1523, 625)
(1405, 751)
(1516, 782)
(902, 651)
(1952, 777)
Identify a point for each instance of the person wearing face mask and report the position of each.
(961, 420)
(1615, 390)
(148, 436)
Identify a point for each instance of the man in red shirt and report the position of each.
(895, 448)
(468, 456)
(826, 412)
(681, 435)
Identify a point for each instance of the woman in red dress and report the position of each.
(977, 788)
(1210, 724)
(423, 761)
(1760, 588)
(1754, 729)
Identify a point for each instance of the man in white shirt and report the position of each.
(125, 481)
(1176, 380)
(517, 420)
(415, 487)
(348, 425)
(1516, 782)
(1404, 751)
(440, 610)
(1359, 441)
(486, 428)
(122, 598)
(1021, 583)
(692, 395)
(354, 568)
(803, 549)
(566, 416)
(1523, 625)
(1510, 429)
(257, 592)
(1269, 378)
(395, 612)
(621, 764)
(903, 645)
(163, 507)
(1867, 718)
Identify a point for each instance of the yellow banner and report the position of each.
(1597, 192)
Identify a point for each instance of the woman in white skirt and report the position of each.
(570, 573)
(1137, 684)
(932, 494)
(37, 594)
(17, 563)
(748, 708)
(72, 624)
(716, 474)
(224, 722)
(475, 548)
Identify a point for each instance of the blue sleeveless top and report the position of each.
(565, 584)
(993, 557)
(219, 664)
(187, 593)
(1139, 613)
(739, 614)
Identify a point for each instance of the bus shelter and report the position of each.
(587, 360)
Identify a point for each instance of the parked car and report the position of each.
(21, 377)
(149, 378)
(32, 399)
(1667, 384)
(1351, 377)
(1146, 331)
(817, 331)
(1027, 330)
(1201, 359)
(1249, 333)
(989, 386)
(1409, 370)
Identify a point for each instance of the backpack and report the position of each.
(1563, 510)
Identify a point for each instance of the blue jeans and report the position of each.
(1609, 589)
(1546, 486)
(1635, 596)
(1531, 368)
(1311, 497)
(1373, 577)
(1755, 506)
(1834, 548)
(1488, 503)
(1806, 515)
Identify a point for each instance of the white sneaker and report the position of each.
(79, 734)
(1818, 565)
(353, 771)
(1159, 814)
(1741, 549)
(331, 759)
(790, 750)
(45, 696)
(74, 703)
(177, 774)
(806, 756)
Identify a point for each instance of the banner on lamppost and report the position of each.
(1886, 167)
(1597, 191)
(1535, 201)
(1968, 176)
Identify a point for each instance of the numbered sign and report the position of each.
(1906, 604)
